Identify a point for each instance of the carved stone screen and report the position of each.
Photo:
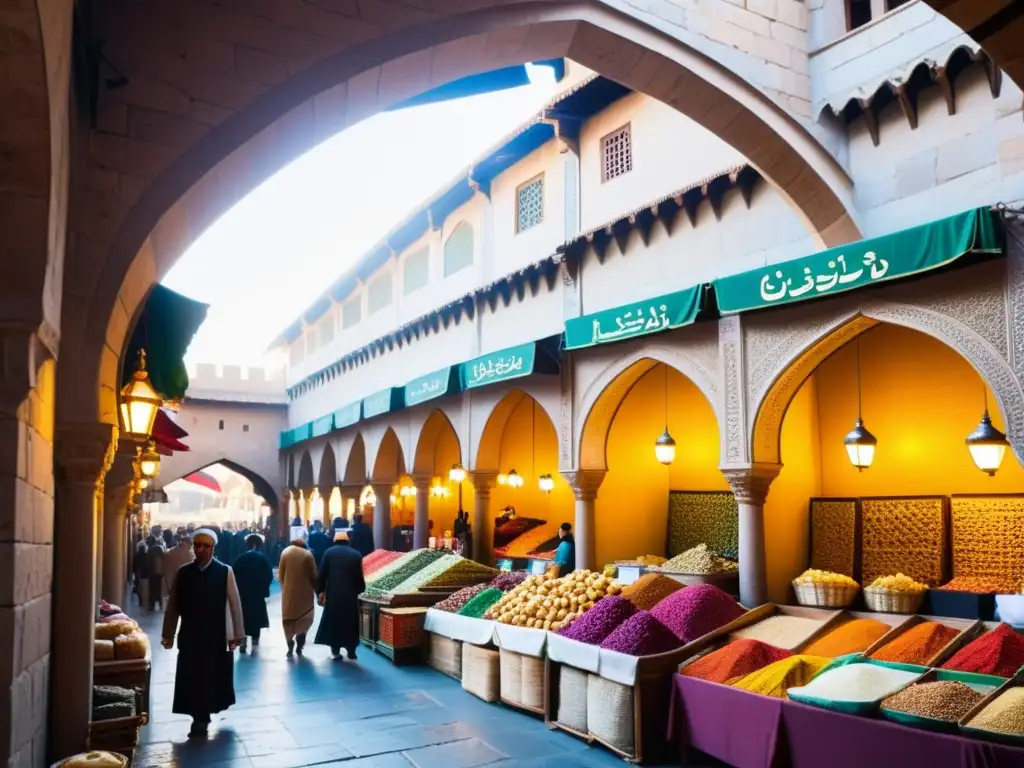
(988, 538)
(904, 534)
(834, 535)
(703, 517)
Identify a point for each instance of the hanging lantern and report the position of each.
(665, 448)
(987, 446)
(515, 480)
(546, 483)
(457, 473)
(149, 461)
(139, 402)
(502, 479)
(860, 446)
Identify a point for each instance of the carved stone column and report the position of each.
(382, 515)
(421, 516)
(115, 546)
(483, 482)
(85, 453)
(750, 484)
(585, 483)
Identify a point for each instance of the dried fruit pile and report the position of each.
(549, 602)
(781, 631)
(377, 559)
(479, 605)
(898, 583)
(650, 589)
(942, 700)
(778, 677)
(733, 661)
(641, 635)
(596, 624)
(699, 559)
(854, 636)
(833, 535)
(813, 576)
(988, 538)
(462, 571)
(710, 517)
(508, 580)
(999, 652)
(984, 585)
(1004, 715)
(393, 574)
(918, 645)
(903, 535)
(453, 603)
(693, 612)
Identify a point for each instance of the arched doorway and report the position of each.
(436, 502)
(388, 470)
(327, 482)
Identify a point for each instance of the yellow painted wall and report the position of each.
(632, 503)
(921, 399)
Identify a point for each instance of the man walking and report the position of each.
(297, 574)
(254, 576)
(361, 536)
(205, 597)
(338, 586)
(177, 557)
(156, 555)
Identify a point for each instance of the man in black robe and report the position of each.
(254, 576)
(318, 542)
(338, 585)
(361, 536)
(205, 597)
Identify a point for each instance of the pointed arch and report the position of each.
(355, 465)
(389, 463)
(436, 429)
(305, 480)
(328, 474)
(260, 484)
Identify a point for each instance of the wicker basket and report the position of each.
(892, 601)
(825, 595)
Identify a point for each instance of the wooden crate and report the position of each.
(401, 627)
(369, 613)
(444, 655)
(127, 673)
(400, 657)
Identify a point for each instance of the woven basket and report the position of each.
(892, 601)
(610, 713)
(825, 595)
(533, 682)
(511, 676)
(445, 655)
(480, 672)
(572, 698)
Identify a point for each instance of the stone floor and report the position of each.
(364, 714)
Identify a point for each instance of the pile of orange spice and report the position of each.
(650, 589)
(734, 661)
(855, 636)
(918, 645)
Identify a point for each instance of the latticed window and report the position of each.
(617, 152)
(352, 312)
(530, 204)
(458, 251)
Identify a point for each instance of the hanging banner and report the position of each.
(433, 385)
(880, 259)
(349, 415)
(641, 318)
(385, 401)
(511, 363)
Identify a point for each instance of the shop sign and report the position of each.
(880, 259)
(381, 402)
(511, 363)
(428, 387)
(349, 415)
(642, 318)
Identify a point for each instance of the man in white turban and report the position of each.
(297, 573)
(205, 597)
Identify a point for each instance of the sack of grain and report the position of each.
(445, 655)
(111, 629)
(572, 698)
(131, 646)
(480, 672)
(610, 713)
(511, 676)
(533, 682)
(102, 650)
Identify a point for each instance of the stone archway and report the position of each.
(434, 429)
(488, 454)
(304, 481)
(355, 464)
(388, 466)
(261, 486)
(327, 476)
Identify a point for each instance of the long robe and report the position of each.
(210, 610)
(361, 538)
(254, 576)
(297, 574)
(341, 580)
(318, 544)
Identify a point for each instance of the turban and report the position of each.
(341, 535)
(208, 533)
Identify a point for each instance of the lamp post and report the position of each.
(457, 474)
(139, 402)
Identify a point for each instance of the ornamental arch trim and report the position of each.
(487, 457)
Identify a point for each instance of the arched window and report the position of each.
(458, 251)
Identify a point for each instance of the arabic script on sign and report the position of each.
(497, 369)
(632, 323)
(428, 387)
(875, 267)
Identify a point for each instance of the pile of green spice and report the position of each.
(478, 606)
(412, 563)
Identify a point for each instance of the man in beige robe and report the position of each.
(175, 558)
(297, 574)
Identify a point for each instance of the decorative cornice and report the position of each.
(750, 482)
(585, 482)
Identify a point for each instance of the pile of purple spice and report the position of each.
(693, 612)
(600, 621)
(508, 580)
(455, 601)
(641, 635)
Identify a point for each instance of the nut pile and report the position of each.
(710, 517)
(813, 576)
(833, 535)
(549, 602)
(453, 603)
(903, 535)
(1004, 715)
(650, 589)
(898, 583)
(988, 537)
(782, 631)
(943, 700)
(700, 560)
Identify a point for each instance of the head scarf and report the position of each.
(208, 533)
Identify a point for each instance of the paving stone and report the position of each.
(458, 754)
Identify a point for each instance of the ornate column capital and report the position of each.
(585, 482)
(85, 452)
(422, 481)
(483, 480)
(325, 490)
(750, 482)
(382, 487)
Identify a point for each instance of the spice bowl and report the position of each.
(893, 601)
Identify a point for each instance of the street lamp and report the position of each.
(139, 402)
(457, 474)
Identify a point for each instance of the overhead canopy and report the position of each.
(432, 386)
(385, 401)
(296, 435)
(323, 425)
(349, 415)
(512, 363)
(868, 262)
(164, 329)
(204, 480)
(485, 82)
(640, 318)
(167, 435)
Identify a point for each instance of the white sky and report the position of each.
(266, 260)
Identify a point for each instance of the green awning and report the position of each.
(868, 262)
(296, 435)
(322, 426)
(640, 318)
(433, 385)
(349, 415)
(385, 401)
(512, 363)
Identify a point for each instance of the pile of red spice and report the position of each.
(999, 652)
(737, 659)
(918, 645)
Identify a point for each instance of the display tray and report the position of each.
(827, 616)
(939, 675)
(1000, 738)
(963, 605)
(860, 708)
(968, 631)
(409, 599)
(892, 619)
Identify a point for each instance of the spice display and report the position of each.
(781, 631)
(549, 602)
(703, 517)
(699, 559)
(641, 635)
(649, 590)
(1004, 715)
(861, 683)
(898, 583)
(407, 565)
(595, 625)
(479, 604)
(462, 571)
(903, 535)
(942, 700)
(508, 580)
(998, 652)
(734, 660)
(918, 645)
(512, 529)
(778, 677)
(812, 576)
(393, 565)
(833, 535)
(378, 559)
(427, 574)
(523, 545)
(454, 602)
(854, 636)
(693, 612)
(984, 585)
(988, 538)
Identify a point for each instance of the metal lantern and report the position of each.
(665, 448)
(860, 446)
(457, 473)
(139, 402)
(547, 483)
(149, 460)
(987, 446)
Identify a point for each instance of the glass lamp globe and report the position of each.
(860, 446)
(515, 480)
(987, 446)
(547, 483)
(149, 461)
(457, 473)
(665, 448)
(139, 402)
